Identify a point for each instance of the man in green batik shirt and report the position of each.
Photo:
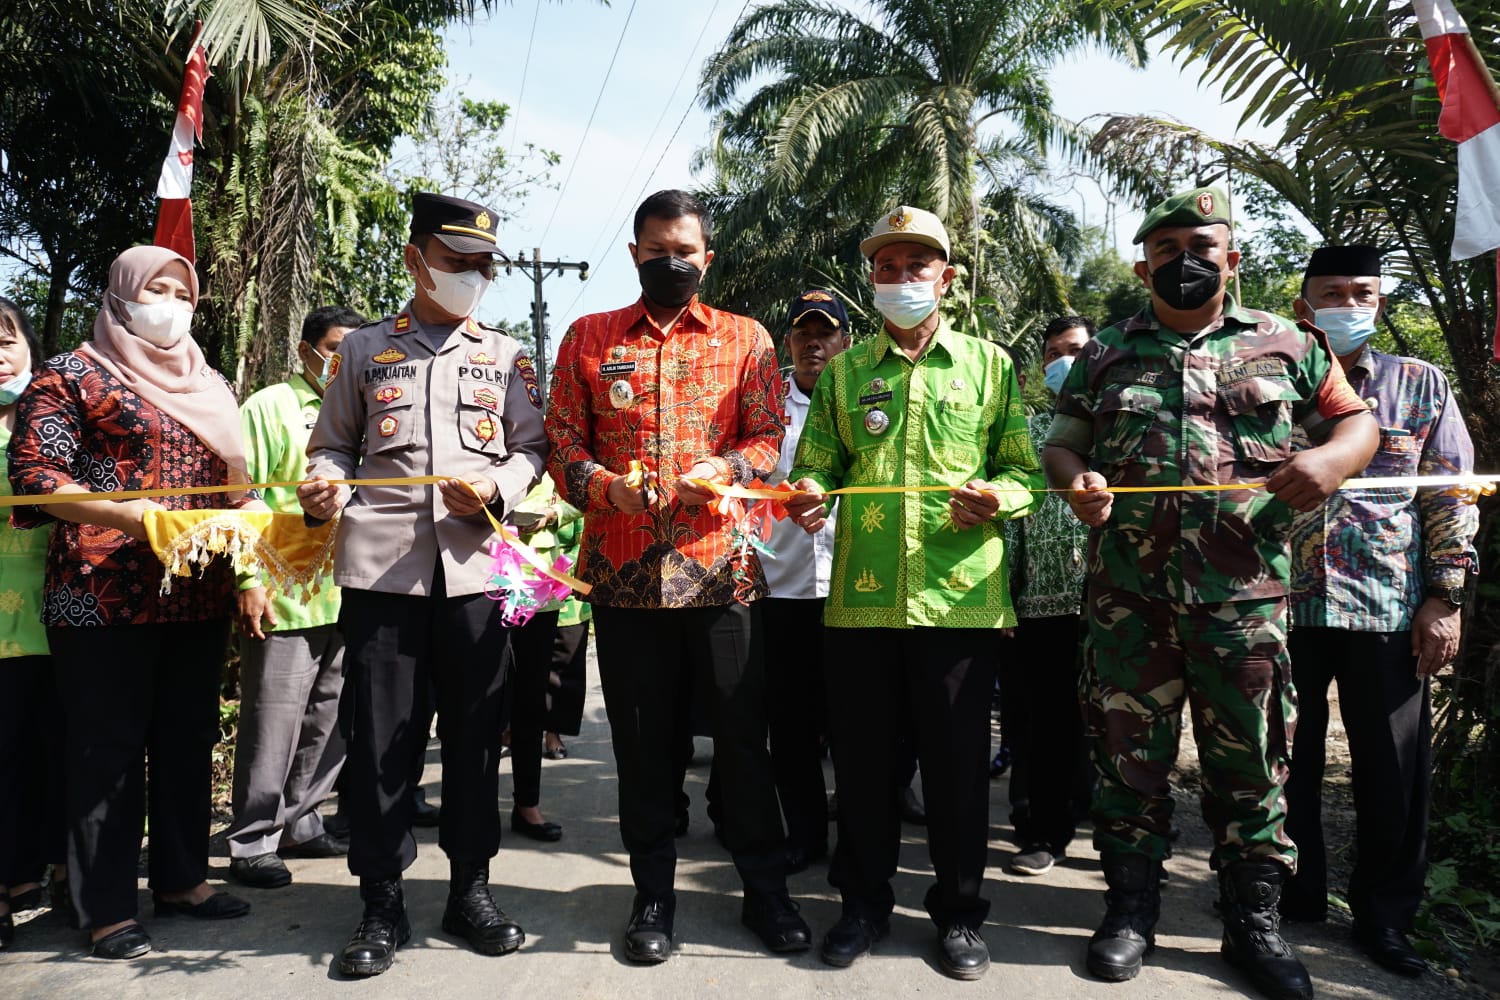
(1187, 597)
(918, 584)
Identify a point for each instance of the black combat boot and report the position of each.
(1248, 893)
(382, 929)
(473, 915)
(1132, 906)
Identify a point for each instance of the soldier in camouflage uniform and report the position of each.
(1187, 590)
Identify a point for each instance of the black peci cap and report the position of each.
(1355, 261)
(461, 226)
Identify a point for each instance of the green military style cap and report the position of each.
(462, 226)
(1201, 206)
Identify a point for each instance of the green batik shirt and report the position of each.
(1147, 406)
(877, 418)
(277, 422)
(1046, 550)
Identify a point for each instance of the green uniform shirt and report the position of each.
(23, 563)
(278, 421)
(877, 418)
(1148, 406)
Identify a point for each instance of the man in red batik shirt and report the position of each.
(688, 392)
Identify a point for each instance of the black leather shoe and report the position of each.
(382, 929)
(648, 936)
(473, 915)
(775, 920)
(1390, 949)
(324, 845)
(128, 942)
(1249, 890)
(962, 953)
(219, 906)
(260, 871)
(423, 813)
(850, 938)
(911, 807)
(547, 832)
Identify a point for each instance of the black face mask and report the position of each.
(1187, 281)
(669, 281)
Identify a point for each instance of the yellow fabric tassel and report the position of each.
(279, 548)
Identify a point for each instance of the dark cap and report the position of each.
(1202, 206)
(1352, 261)
(461, 226)
(818, 301)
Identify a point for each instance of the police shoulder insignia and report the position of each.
(389, 356)
(389, 394)
(526, 368)
(333, 368)
(403, 323)
(388, 426)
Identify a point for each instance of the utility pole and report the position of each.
(539, 271)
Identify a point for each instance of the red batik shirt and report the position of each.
(622, 389)
(76, 423)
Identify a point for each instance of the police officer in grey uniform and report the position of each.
(429, 391)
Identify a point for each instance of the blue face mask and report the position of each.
(12, 389)
(1348, 328)
(1056, 372)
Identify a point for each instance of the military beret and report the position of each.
(818, 301)
(1354, 261)
(905, 224)
(461, 226)
(1202, 206)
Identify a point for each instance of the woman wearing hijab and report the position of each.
(136, 407)
(31, 814)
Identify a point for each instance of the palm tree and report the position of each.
(906, 104)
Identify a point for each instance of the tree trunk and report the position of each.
(57, 300)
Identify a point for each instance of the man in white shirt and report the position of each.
(793, 613)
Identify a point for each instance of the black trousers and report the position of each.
(33, 819)
(568, 681)
(798, 717)
(395, 646)
(531, 651)
(644, 655)
(1388, 717)
(934, 683)
(133, 693)
(1043, 723)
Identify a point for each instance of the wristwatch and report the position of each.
(1452, 596)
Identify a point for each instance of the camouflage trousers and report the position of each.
(1228, 661)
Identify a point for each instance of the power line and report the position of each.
(687, 64)
(584, 138)
(568, 313)
(515, 119)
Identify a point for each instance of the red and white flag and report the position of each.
(1471, 118)
(174, 218)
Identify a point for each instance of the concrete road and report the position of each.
(573, 899)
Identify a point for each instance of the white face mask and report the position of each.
(455, 294)
(907, 304)
(159, 323)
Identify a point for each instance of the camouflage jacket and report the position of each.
(1148, 406)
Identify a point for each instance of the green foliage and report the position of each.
(848, 114)
(1105, 287)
